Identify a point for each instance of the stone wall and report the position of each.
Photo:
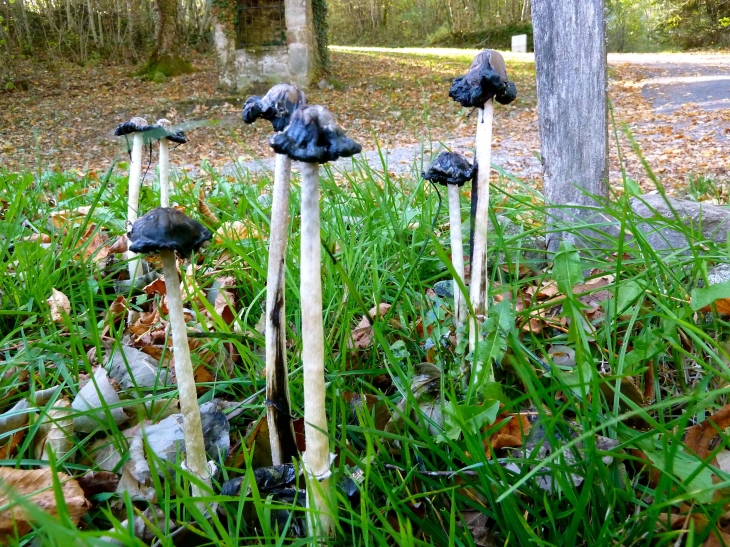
(239, 69)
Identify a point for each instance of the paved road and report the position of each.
(673, 80)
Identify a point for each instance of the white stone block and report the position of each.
(519, 43)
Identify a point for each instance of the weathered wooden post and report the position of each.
(570, 58)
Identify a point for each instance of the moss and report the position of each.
(166, 66)
(321, 31)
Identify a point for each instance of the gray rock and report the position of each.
(719, 274)
(711, 221)
(527, 248)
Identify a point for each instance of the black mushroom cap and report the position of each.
(166, 228)
(486, 79)
(163, 128)
(277, 106)
(152, 132)
(313, 136)
(450, 168)
(134, 125)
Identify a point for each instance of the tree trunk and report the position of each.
(570, 58)
(165, 58)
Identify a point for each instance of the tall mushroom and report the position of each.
(166, 230)
(135, 127)
(277, 106)
(313, 137)
(485, 81)
(454, 170)
(166, 136)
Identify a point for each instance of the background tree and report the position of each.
(165, 59)
(570, 60)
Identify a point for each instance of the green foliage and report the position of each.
(497, 37)
(427, 478)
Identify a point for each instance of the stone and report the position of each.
(527, 248)
(703, 219)
(719, 274)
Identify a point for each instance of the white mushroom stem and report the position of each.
(457, 259)
(478, 282)
(164, 172)
(135, 177)
(195, 458)
(281, 432)
(317, 455)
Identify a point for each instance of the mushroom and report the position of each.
(454, 170)
(313, 137)
(277, 106)
(166, 230)
(485, 81)
(165, 138)
(135, 127)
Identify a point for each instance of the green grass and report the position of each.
(425, 478)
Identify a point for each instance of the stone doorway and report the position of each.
(264, 42)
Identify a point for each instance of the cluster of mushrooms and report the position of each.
(308, 134)
(485, 82)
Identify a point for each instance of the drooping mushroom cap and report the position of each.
(134, 125)
(277, 106)
(450, 168)
(165, 228)
(486, 79)
(172, 136)
(313, 136)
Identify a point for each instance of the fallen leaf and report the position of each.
(362, 334)
(60, 306)
(511, 435)
(35, 486)
(699, 436)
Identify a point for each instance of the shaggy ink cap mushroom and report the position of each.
(313, 136)
(450, 168)
(135, 125)
(277, 106)
(167, 229)
(178, 137)
(486, 79)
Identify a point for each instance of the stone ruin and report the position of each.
(264, 42)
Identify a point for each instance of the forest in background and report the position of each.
(123, 31)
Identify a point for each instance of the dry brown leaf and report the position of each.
(205, 210)
(156, 287)
(60, 219)
(699, 436)
(117, 311)
(96, 482)
(362, 334)
(37, 238)
(36, 486)
(511, 435)
(722, 305)
(225, 299)
(119, 246)
(59, 304)
(9, 445)
(94, 243)
(236, 231)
